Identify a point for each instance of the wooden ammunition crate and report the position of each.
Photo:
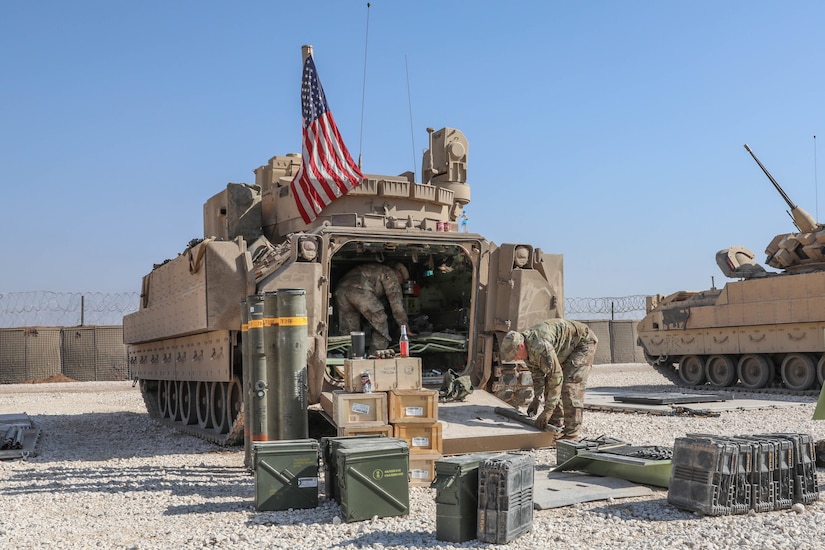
(422, 438)
(400, 373)
(382, 374)
(348, 409)
(368, 429)
(413, 406)
(422, 468)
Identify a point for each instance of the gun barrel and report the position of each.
(788, 200)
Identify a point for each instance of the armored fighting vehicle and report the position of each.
(464, 292)
(765, 330)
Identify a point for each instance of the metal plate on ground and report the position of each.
(603, 399)
(557, 489)
(668, 398)
(23, 433)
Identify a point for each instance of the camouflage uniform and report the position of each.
(560, 355)
(359, 293)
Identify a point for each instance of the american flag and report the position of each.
(327, 171)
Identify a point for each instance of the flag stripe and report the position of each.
(327, 171)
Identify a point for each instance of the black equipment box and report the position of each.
(720, 475)
(505, 497)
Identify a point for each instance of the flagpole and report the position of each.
(306, 51)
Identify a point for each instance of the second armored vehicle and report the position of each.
(765, 330)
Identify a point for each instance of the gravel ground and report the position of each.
(109, 477)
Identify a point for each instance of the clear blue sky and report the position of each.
(610, 132)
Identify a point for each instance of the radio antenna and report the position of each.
(816, 185)
(409, 100)
(364, 86)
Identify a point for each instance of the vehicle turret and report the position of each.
(795, 252)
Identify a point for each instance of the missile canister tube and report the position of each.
(270, 377)
(256, 352)
(246, 384)
(289, 406)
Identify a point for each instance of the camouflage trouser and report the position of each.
(352, 304)
(576, 368)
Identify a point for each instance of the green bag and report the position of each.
(455, 387)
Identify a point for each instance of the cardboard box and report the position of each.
(402, 373)
(348, 409)
(413, 406)
(422, 468)
(367, 429)
(422, 438)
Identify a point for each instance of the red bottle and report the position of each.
(404, 342)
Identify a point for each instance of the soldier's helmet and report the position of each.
(403, 271)
(509, 344)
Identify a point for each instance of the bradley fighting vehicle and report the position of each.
(185, 341)
(765, 330)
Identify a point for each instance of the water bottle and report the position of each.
(404, 342)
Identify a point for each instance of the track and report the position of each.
(234, 436)
(669, 372)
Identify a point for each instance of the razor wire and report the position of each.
(609, 308)
(68, 309)
(45, 308)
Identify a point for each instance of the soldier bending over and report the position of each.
(559, 354)
(359, 293)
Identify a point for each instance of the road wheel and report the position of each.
(820, 371)
(234, 399)
(172, 398)
(692, 370)
(203, 394)
(798, 371)
(755, 371)
(186, 402)
(721, 371)
(163, 398)
(219, 408)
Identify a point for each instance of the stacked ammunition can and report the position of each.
(367, 475)
(456, 497)
(721, 475)
(286, 474)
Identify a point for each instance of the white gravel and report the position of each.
(109, 477)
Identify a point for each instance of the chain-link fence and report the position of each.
(69, 309)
